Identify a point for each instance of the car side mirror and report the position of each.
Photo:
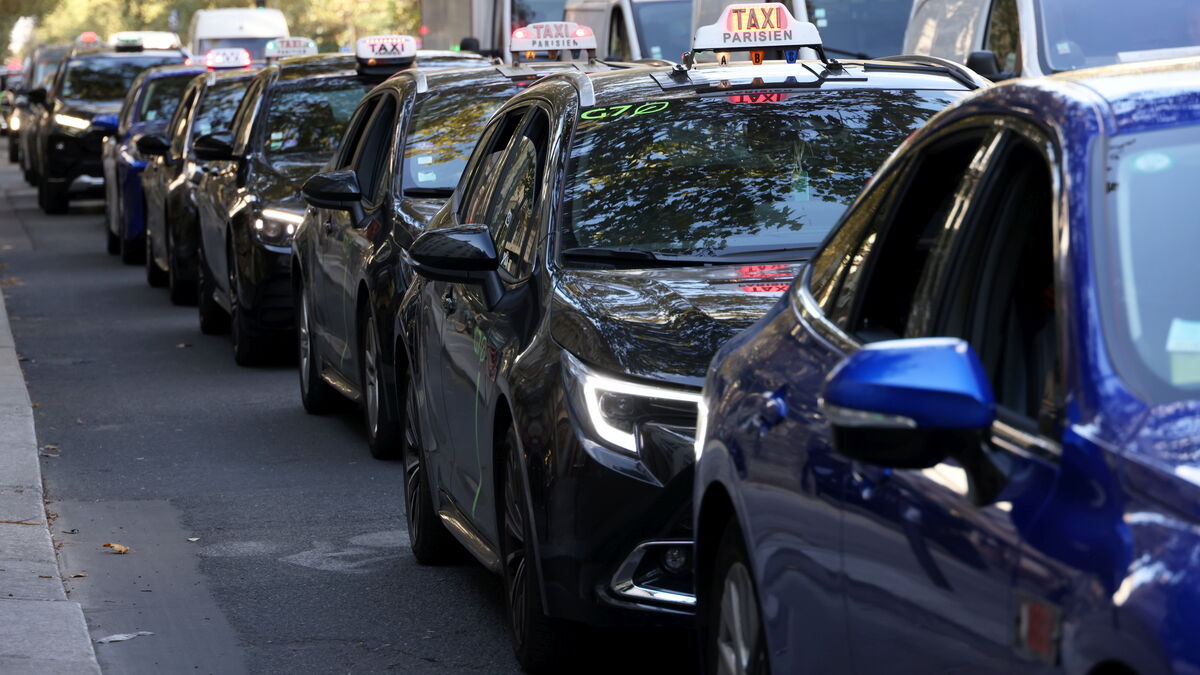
(463, 255)
(337, 190)
(37, 96)
(213, 147)
(150, 145)
(986, 63)
(909, 404)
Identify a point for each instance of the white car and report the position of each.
(1027, 38)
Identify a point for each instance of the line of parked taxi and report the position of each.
(847, 365)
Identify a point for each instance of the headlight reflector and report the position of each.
(615, 407)
(72, 122)
(277, 226)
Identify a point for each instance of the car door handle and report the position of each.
(448, 303)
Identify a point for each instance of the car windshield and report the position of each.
(256, 46)
(525, 12)
(729, 174)
(1087, 33)
(1152, 318)
(216, 110)
(43, 70)
(162, 97)
(308, 117)
(855, 29)
(444, 129)
(107, 78)
(663, 28)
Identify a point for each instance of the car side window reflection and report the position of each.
(477, 196)
(1004, 35)
(354, 132)
(178, 129)
(512, 210)
(374, 151)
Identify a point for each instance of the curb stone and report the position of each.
(40, 630)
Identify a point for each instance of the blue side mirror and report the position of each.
(909, 403)
(105, 122)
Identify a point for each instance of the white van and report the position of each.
(628, 30)
(249, 29)
(1026, 38)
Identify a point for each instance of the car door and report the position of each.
(930, 554)
(326, 279)
(500, 194)
(163, 172)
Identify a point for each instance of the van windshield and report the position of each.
(1087, 33)
(662, 28)
(256, 46)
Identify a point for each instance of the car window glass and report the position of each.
(1004, 35)
(892, 260)
(215, 112)
(307, 117)
(373, 153)
(1001, 297)
(161, 97)
(474, 206)
(106, 78)
(179, 124)
(244, 117)
(445, 127)
(618, 44)
(512, 210)
(357, 125)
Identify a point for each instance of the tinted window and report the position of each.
(178, 128)
(512, 214)
(309, 117)
(375, 149)
(663, 28)
(1004, 35)
(217, 107)
(162, 97)
(1087, 33)
(861, 29)
(1146, 258)
(475, 198)
(107, 78)
(728, 174)
(445, 127)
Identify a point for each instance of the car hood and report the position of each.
(81, 108)
(665, 323)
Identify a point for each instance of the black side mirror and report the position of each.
(37, 96)
(213, 147)
(150, 145)
(986, 63)
(337, 190)
(462, 255)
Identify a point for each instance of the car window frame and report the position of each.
(348, 148)
(371, 200)
(487, 146)
(540, 192)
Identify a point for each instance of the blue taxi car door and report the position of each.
(928, 570)
(476, 335)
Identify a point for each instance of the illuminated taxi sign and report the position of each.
(552, 36)
(88, 37)
(128, 43)
(381, 49)
(756, 26)
(282, 48)
(222, 59)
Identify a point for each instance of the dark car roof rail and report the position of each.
(957, 71)
(581, 82)
(679, 77)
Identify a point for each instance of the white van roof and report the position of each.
(238, 22)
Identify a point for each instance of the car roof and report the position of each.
(301, 67)
(109, 52)
(1144, 95)
(172, 69)
(640, 84)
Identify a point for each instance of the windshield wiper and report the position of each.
(619, 254)
(843, 52)
(428, 192)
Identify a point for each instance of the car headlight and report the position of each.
(72, 122)
(616, 408)
(14, 122)
(277, 226)
(701, 425)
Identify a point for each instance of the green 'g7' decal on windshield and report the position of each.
(615, 111)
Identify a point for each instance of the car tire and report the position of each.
(248, 348)
(14, 151)
(213, 319)
(385, 430)
(181, 292)
(113, 245)
(431, 542)
(315, 393)
(541, 643)
(733, 640)
(154, 274)
(53, 199)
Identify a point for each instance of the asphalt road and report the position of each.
(152, 436)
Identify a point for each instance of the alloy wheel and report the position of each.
(371, 376)
(414, 474)
(516, 560)
(305, 343)
(738, 633)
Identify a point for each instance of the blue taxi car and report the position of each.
(151, 102)
(967, 437)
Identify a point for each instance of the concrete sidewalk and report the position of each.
(40, 630)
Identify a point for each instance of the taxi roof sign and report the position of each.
(756, 27)
(380, 49)
(552, 36)
(282, 48)
(128, 43)
(221, 59)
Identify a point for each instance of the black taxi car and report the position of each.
(79, 109)
(348, 269)
(173, 171)
(609, 233)
(288, 125)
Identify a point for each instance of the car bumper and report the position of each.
(610, 522)
(75, 161)
(266, 290)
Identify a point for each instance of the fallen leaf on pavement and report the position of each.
(50, 447)
(20, 522)
(183, 345)
(78, 421)
(79, 575)
(117, 548)
(42, 576)
(37, 405)
(193, 538)
(121, 637)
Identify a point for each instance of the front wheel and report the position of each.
(315, 393)
(52, 198)
(154, 274)
(384, 429)
(248, 348)
(541, 643)
(213, 319)
(431, 542)
(14, 154)
(734, 643)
